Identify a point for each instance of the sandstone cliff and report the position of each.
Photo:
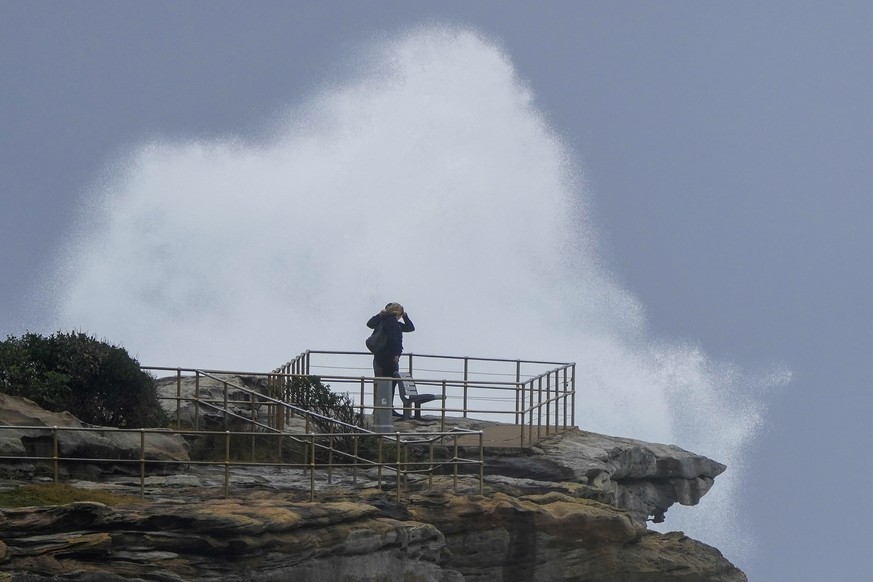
(575, 508)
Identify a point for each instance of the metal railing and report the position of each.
(392, 454)
(273, 396)
(538, 396)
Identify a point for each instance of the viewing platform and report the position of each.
(316, 420)
(530, 399)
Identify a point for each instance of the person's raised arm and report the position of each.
(407, 324)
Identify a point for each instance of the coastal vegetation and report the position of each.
(95, 381)
(46, 494)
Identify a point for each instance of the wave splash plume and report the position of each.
(429, 178)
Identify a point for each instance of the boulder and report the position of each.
(29, 432)
(178, 396)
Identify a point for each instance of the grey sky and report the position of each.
(728, 147)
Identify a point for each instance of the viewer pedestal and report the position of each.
(383, 406)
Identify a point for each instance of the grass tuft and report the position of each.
(43, 494)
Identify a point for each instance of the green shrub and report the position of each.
(96, 382)
(309, 393)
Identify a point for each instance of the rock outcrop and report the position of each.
(36, 438)
(643, 478)
(572, 508)
(432, 538)
(177, 396)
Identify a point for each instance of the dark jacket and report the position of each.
(394, 329)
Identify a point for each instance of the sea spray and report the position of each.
(432, 179)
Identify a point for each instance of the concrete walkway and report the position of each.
(506, 436)
(495, 435)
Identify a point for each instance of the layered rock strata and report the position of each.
(572, 508)
(432, 538)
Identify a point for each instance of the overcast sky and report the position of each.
(727, 146)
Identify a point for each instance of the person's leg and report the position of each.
(377, 368)
(395, 372)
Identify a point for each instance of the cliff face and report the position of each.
(557, 538)
(573, 508)
(444, 538)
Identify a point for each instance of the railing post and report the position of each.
(355, 461)
(539, 406)
(443, 409)
(279, 393)
(406, 469)
(254, 420)
(557, 400)
(285, 391)
(518, 393)
(481, 461)
(274, 390)
(530, 415)
(178, 398)
(455, 465)
(197, 400)
(381, 460)
(548, 401)
(330, 456)
(312, 468)
(226, 415)
(142, 463)
(430, 467)
(226, 462)
(565, 400)
(519, 389)
(56, 450)
(573, 395)
(466, 385)
(397, 436)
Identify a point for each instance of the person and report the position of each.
(387, 361)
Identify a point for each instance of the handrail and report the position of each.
(432, 356)
(539, 397)
(540, 393)
(354, 429)
(289, 406)
(311, 442)
(309, 464)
